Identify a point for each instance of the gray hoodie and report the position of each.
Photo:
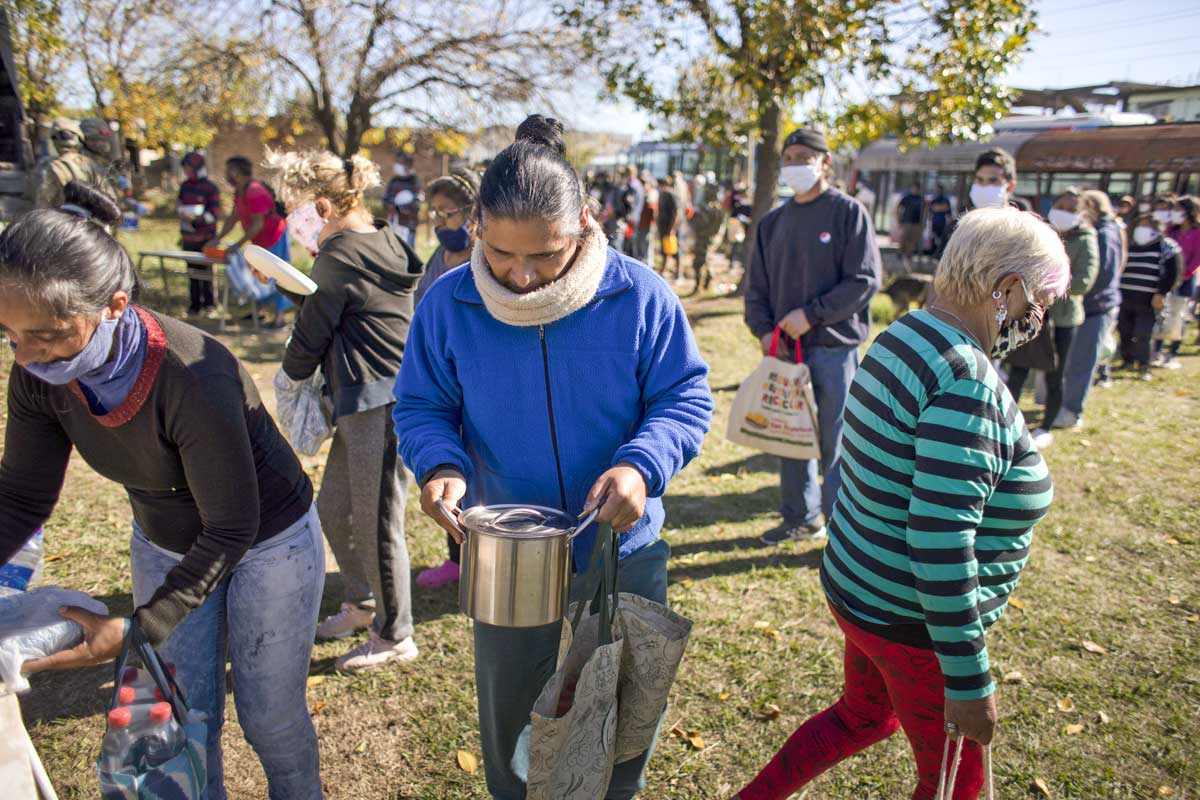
(354, 326)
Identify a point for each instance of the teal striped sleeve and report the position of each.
(963, 448)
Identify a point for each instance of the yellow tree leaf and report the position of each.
(768, 712)
(1092, 647)
(1066, 704)
(1103, 718)
(695, 740)
(1041, 785)
(315, 680)
(1016, 603)
(1071, 730)
(467, 762)
(1014, 677)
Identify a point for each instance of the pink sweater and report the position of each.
(1189, 242)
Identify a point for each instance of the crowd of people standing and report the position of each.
(537, 358)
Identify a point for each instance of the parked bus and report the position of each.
(1138, 160)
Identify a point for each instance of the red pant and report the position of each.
(888, 686)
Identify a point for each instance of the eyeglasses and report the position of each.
(441, 216)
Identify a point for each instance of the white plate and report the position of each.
(275, 267)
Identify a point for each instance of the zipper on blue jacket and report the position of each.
(562, 488)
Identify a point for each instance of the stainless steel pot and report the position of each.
(516, 563)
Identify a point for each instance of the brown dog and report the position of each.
(907, 289)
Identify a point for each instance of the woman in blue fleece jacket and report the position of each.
(555, 371)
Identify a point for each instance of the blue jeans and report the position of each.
(264, 616)
(512, 666)
(1083, 358)
(803, 497)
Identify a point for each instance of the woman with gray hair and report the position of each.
(941, 488)
(226, 551)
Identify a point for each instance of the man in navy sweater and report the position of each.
(813, 271)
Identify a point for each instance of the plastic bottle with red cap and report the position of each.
(163, 738)
(119, 745)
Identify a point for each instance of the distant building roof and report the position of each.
(1080, 97)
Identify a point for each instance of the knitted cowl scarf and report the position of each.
(554, 301)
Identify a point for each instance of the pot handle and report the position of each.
(449, 515)
(584, 521)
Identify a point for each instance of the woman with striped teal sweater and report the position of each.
(941, 488)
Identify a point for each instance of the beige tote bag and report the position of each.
(775, 410)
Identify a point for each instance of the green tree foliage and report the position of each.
(928, 70)
(40, 52)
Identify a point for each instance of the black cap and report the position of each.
(809, 137)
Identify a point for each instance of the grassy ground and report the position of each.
(1115, 564)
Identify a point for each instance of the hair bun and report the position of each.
(544, 131)
(99, 205)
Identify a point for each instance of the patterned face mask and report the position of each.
(1016, 332)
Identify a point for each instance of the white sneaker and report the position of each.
(375, 652)
(1042, 438)
(1171, 363)
(350, 619)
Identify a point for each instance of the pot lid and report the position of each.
(517, 521)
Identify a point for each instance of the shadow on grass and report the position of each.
(687, 511)
(809, 559)
(759, 462)
(698, 316)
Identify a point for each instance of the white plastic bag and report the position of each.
(30, 627)
(299, 409)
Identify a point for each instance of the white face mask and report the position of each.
(988, 195)
(1144, 234)
(1177, 217)
(400, 170)
(1063, 221)
(801, 177)
(1163, 217)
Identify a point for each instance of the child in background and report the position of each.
(1150, 272)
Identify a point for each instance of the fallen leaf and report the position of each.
(678, 732)
(1193, 618)
(467, 762)
(774, 634)
(723, 696)
(1090, 559)
(768, 712)
(1071, 730)
(1042, 787)
(56, 557)
(318, 707)
(362, 747)
(1085, 443)
(1015, 603)
(314, 680)
(1092, 647)
(1066, 704)
(1174, 600)
(1014, 677)
(1165, 791)
(1180, 393)
(761, 624)
(1172, 540)
(695, 740)
(1103, 718)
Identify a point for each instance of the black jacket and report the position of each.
(354, 327)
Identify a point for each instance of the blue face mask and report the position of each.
(91, 357)
(454, 240)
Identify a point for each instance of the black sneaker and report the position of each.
(794, 533)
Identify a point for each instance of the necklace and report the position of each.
(962, 325)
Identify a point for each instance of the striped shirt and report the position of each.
(1151, 268)
(941, 488)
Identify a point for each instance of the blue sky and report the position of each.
(1080, 42)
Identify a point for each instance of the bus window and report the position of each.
(1165, 183)
(1147, 185)
(1061, 181)
(1192, 184)
(1119, 185)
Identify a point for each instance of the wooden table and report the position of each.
(193, 259)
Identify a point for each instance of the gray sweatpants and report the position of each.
(361, 505)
